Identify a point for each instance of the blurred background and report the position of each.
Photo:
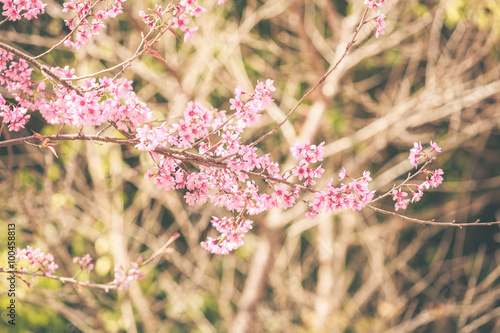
(434, 75)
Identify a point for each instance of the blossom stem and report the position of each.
(69, 34)
(433, 222)
(63, 279)
(410, 177)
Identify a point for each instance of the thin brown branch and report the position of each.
(31, 60)
(433, 222)
(208, 161)
(162, 249)
(128, 62)
(63, 279)
(105, 286)
(69, 34)
(170, 152)
(321, 80)
(410, 177)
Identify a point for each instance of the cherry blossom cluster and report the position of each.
(17, 9)
(199, 121)
(379, 18)
(306, 154)
(96, 102)
(37, 260)
(379, 29)
(195, 125)
(123, 276)
(374, 4)
(232, 230)
(31, 261)
(249, 112)
(85, 262)
(417, 152)
(399, 196)
(16, 77)
(80, 22)
(91, 104)
(180, 20)
(227, 183)
(179, 14)
(14, 116)
(155, 19)
(433, 178)
(203, 154)
(206, 123)
(354, 195)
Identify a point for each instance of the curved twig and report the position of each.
(460, 225)
(321, 80)
(105, 286)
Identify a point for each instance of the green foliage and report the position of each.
(483, 14)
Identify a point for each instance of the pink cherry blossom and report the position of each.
(436, 178)
(232, 231)
(16, 77)
(343, 174)
(85, 29)
(415, 154)
(434, 147)
(372, 4)
(379, 18)
(433, 179)
(124, 276)
(354, 195)
(84, 262)
(416, 195)
(15, 9)
(379, 31)
(37, 260)
(399, 197)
